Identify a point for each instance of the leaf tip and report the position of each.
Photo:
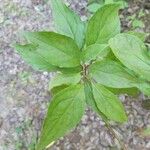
(123, 118)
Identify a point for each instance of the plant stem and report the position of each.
(85, 72)
(123, 146)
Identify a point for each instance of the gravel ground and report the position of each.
(23, 92)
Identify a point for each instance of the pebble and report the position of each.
(1, 18)
(1, 121)
(148, 145)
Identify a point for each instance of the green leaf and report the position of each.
(109, 1)
(67, 22)
(93, 51)
(57, 89)
(132, 52)
(111, 74)
(90, 99)
(65, 79)
(131, 17)
(57, 49)
(93, 7)
(108, 103)
(144, 87)
(129, 91)
(36, 60)
(103, 25)
(141, 35)
(71, 70)
(64, 113)
(107, 54)
(138, 24)
(141, 13)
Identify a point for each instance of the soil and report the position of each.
(24, 97)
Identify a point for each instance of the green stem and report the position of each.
(123, 146)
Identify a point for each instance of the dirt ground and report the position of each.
(23, 92)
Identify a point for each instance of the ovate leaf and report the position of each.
(132, 52)
(67, 22)
(111, 74)
(64, 113)
(93, 51)
(58, 49)
(37, 61)
(65, 79)
(103, 25)
(108, 103)
(90, 98)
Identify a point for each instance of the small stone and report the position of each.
(122, 97)
(1, 121)
(1, 18)
(86, 129)
(83, 18)
(130, 10)
(13, 119)
(45, 73)
(148, 145)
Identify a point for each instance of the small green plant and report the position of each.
(94, 62)
(135, 20)
(20, 130)
(94, 5)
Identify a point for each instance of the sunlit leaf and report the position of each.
(64, 113)
(103, 25)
